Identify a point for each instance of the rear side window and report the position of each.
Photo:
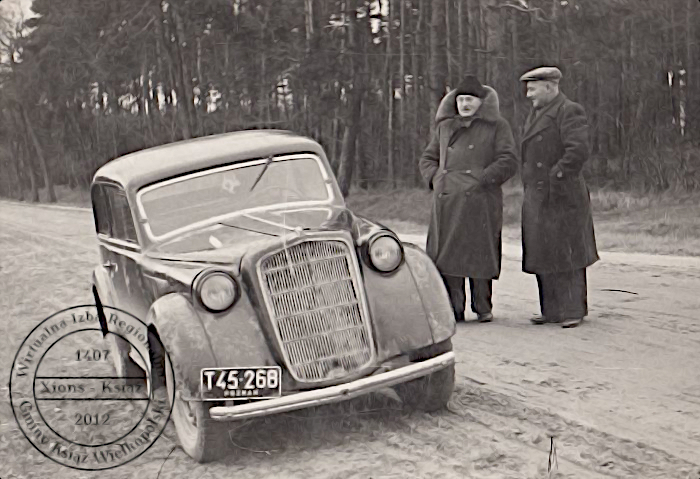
(122, 224)
(100, 210)
(112, 213)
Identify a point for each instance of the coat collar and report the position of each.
(539, 124)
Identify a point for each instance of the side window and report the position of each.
(123, 227)
(112, 213)
(100, 210)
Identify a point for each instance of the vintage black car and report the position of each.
(268, 294)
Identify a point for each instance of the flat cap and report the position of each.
(542, 73)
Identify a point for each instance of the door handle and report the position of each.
(110, 266)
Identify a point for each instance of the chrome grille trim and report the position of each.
(317, 306)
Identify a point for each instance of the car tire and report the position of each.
(429, 393)
(202, 438)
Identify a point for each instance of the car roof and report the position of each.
(144, 167)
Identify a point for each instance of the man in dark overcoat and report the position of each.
(557, 223)
(472, 153)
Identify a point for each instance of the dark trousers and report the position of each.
(481, 292)
(563, 295)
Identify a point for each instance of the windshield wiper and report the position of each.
(267, 164)
(230, 225)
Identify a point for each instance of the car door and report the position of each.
(106, 279)
(121, 254)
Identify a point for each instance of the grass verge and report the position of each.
(665, 223)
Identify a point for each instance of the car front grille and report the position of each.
(317, 307)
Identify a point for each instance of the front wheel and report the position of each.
(429, 393)
(202, 438)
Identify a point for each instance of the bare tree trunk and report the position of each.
(448, 42)
(690, 82)
(391, 173)
(472, 38)
(674, 69)
(187, 99)
(48, 181)
(227, 87)
(438, 61)
(417, 90)
(145, 107)
(17, 152)
(598, 115)
(481, 40)
(496, 34)
(202, 95)
(402, 74)
(620, 127)
(554, 31)
(514, 61)
(34, 189)
(352, 122)
(264, 85)
(463, 36)
(160, 73)
(163, 52)
(309, 23)
(334, 143)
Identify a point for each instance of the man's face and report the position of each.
(539, 92)
(467, 105)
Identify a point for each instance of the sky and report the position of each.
(16, 7)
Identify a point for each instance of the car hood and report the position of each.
(227, 241)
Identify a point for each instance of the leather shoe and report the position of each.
(544, 320)
(459, 317)
(484, 317)
(571, 323)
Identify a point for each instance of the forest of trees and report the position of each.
(85, 81)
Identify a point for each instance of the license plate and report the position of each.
(241, 383)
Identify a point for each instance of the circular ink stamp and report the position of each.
(71, 404)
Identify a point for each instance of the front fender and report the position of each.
(184, 338)
(410, 307)
(432, 293)
(101, 281)
(196, 339)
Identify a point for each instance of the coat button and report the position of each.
(539, 164)
(471, 147)
(469, 193)
(467, 171)
(559, 174)
(539, 138)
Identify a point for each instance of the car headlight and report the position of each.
(385, 253)
(216, 290)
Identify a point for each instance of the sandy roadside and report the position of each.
(621, 394)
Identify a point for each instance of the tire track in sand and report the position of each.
(588, 448)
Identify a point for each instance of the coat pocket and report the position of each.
(437, 180)
(563, 193)
(458, 181)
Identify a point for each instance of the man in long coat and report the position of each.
(557, 224)
(471, 154)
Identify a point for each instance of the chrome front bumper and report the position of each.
(332, 394)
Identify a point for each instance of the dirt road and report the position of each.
(620, 394)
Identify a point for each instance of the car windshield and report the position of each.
(203, 196)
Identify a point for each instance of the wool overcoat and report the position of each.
(557, 223)
(465, 164)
